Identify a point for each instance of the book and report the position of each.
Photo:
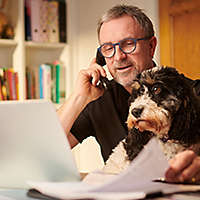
(57, 64)
(16, 80)
(46, 81)
(10, 81)
(1, 93)
(136, 182)
(53, 82)
(35, 70)
(41, 81)
(29, 83)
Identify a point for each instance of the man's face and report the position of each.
(124, 67)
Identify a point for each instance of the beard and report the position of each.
(125, 78)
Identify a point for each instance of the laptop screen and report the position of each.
(33, 145)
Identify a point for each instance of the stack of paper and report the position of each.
(134, 183)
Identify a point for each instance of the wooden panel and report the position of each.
(180, 6)
(180, 35)
(186, 43)
(165, 40)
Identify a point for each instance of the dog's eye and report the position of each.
(156, 90)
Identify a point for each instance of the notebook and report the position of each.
(33, 145)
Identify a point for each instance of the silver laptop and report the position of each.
(33, 145)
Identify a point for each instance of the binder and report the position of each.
(53, 30)
(62, 21)
(35, 20)
(44, 21)
(27, 20)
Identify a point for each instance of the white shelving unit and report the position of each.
(18, 53)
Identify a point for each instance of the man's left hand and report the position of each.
(184, 167)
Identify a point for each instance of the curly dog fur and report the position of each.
(165, 104)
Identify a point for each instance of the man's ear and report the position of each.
(152, 43)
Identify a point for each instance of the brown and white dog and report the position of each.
(164, 104)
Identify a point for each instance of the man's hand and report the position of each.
(184, 167)
(86, 85)
(86, 90)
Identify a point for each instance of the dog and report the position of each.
(163, 104)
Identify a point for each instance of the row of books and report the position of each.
(43, 82)
(45, 20)
(9, 87)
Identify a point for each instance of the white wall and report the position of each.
(83, 41)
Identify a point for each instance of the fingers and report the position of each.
(192, 172)
(87, 81)
(95, 76)
(184, 167)
(94, 65)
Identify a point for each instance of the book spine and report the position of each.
(58, 83)
(36, 78)
(53, 83)
(16, 80)
(1, 82)
(28, 84)
(46, 81)
(41, 81)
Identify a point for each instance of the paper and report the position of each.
(134, 183)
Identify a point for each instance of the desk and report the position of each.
(14, 194)
(20, 194)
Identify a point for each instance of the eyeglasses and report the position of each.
(127, 46)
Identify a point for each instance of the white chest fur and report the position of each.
(117, 161)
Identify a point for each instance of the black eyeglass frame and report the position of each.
(118, 43)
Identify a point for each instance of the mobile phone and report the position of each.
(101, 61)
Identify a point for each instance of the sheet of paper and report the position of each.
(133, 183)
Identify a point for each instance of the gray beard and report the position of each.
(126, 82)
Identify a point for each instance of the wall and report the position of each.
(83, 40)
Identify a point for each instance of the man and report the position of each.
(127, 42)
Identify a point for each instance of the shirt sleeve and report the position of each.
(82, 127)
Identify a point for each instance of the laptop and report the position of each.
(33, 145)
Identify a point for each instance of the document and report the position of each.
(136, 182)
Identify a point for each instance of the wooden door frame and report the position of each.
(168, 9)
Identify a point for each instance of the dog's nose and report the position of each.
(137, 112)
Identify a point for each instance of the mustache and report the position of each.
(121, 63)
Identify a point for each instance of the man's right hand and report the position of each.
(86, 90)
(86, 85)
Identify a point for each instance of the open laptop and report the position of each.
(33, 145)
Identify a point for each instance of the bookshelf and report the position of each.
(17, 53)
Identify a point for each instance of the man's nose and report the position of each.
(119, 54)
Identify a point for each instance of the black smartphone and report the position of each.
(101, 61)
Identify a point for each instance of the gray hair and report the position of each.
(135, 12)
